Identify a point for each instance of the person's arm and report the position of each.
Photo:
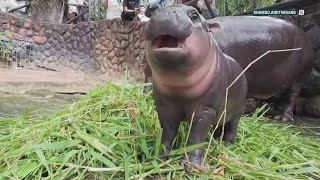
(105, 4)
(137, 6)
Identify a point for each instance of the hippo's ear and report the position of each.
(213, 26)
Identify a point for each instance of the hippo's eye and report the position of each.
(194, 17)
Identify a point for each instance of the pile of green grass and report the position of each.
(114, 133)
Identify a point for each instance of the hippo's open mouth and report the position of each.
(168, 51)
(166, 41)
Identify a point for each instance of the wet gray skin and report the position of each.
(190, 74)
(162, 30)
(245, 38)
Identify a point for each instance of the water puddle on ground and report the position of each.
(16, 104)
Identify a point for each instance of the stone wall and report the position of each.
(106, 49)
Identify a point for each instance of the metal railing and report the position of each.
(15, 53)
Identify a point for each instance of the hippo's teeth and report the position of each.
(165, 41)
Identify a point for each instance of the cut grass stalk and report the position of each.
(125, 143)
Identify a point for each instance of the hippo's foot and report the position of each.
(164, 155)
(284, 117)
(288, 101)
(194, 164)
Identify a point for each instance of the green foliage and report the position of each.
(114, 133)
(237, 6)
(97, 11)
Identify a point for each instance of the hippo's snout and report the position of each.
(171, 37)
(169, 58)
(170, 22)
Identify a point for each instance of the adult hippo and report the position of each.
(191, 75)
(245, 38)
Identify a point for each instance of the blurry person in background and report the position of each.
(74, 10)
(198, 4)
(113, 8)
(205, 11)
(141, 15)
(130, 9)
(155, 4)
(6, 5)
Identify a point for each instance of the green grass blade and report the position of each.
(26, 168)
(43, 160)
(94, 143)
(103, 159)
(158, 143)
(126, 168)
(114, 133)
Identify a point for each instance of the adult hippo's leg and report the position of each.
(287, 114)
(289, 98)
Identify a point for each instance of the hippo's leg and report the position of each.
(230, 129)
(288, 103)
(200, 126)
(170, 117)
